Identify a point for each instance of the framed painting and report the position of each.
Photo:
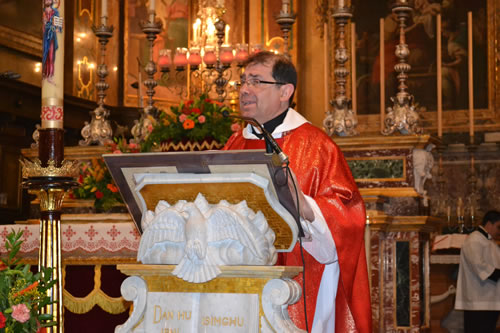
(421, 38)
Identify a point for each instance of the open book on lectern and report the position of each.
(146, 178)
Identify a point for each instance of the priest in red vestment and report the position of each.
(332, 210)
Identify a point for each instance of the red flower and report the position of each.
(188, 124)
(186, 110)
(112, 188)
(98, 194)
(80, 179)
(196, 110)
(188, 103)
(2, 320)
(208, 100)
(3, 267)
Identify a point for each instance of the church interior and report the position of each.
(408, 89)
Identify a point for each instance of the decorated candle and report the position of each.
(51, 145)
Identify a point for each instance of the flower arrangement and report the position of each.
(96, 183)
(194, 120)
(22, 293)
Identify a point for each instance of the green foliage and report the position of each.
(194, 121)
(22, 293)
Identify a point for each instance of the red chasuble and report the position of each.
(323, 174)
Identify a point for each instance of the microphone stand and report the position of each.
(273, 146)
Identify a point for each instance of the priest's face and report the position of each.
(261, 101)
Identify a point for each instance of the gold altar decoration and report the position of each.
(34, 168)
(190, 146)
(50, 199)
(80, 305)
(233, 279)
(50, 250)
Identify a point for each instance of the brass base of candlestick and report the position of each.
(98, 130)
(342, 121)
(402, 116)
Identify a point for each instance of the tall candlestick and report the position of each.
(471, 77)
(285, 6)
(139, 83)
(459, 207)
(104, 11)
(196, 28)
(226, 34)
(353, 68)
(51, 153)
(439, 80)
(382, 74)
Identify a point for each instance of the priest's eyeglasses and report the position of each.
(256, 83)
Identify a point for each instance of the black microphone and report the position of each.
(267, 136)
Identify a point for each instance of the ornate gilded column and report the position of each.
(342, 121)
(403, 115)
(50, 176)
